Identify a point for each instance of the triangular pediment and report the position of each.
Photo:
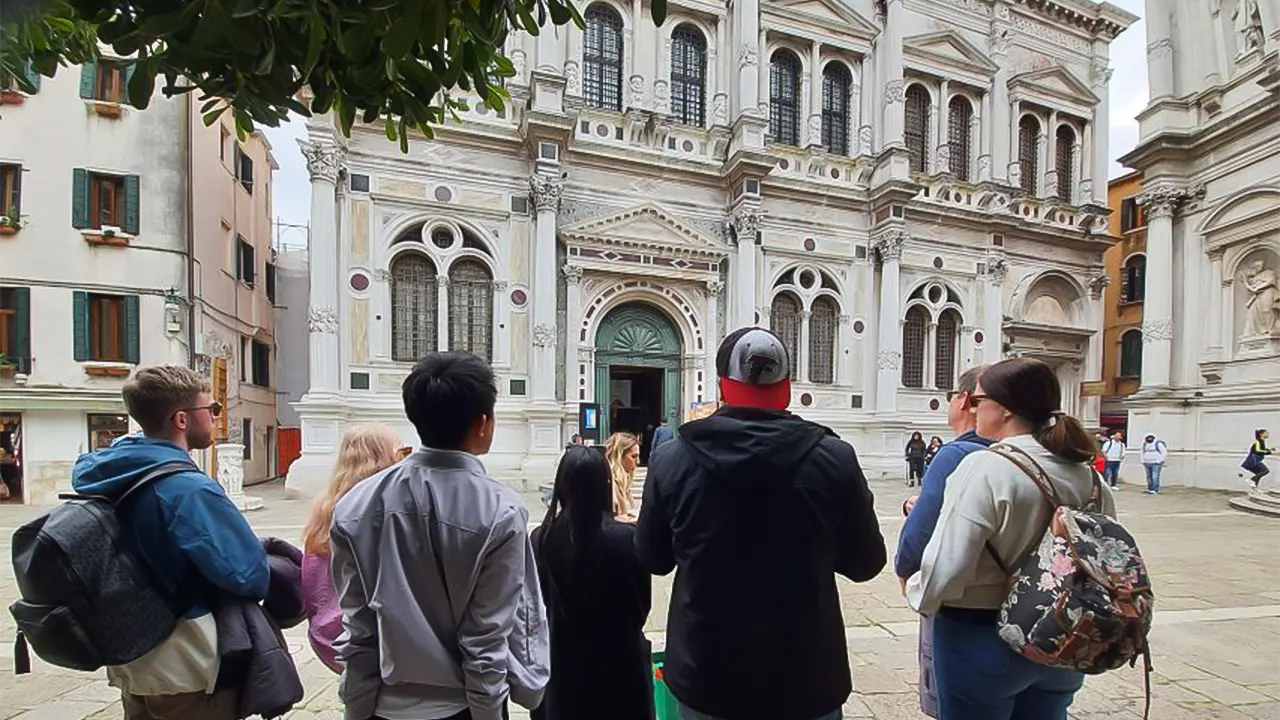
(646, 224)
(1055, 82)
(948, 49)
(833, 13)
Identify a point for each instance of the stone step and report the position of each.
(1257, 504)
(1271, 498)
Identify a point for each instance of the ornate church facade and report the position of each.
(899, 188)
(1210, 156)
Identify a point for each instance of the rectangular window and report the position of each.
(244, 359)
(1132, 215)
(109, 82)
(10, 189)
(106, 429)
(107, 338)
(224, 139)
(245, 261)
(15, 328)
(244, 170)
(247, 438)
(261, 364)
(106, 201)
(271, 282)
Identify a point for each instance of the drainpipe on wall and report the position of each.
(191, 239)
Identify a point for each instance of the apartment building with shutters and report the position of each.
(98, 260)
(1126, 266)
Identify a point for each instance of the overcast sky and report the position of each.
(1128, 96)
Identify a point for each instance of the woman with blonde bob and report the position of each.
(622, 450)
(366, 450)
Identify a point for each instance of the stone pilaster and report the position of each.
(746, 225)
(889, 357)
(1162, 200)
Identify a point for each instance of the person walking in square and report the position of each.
(1154, 454)
(434, 569)
(757, 511)
(922, 515)
(915, 453)
(1114, 450)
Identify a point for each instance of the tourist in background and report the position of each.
(622, 450)
(991, 509)
(1154, 454)
(1258, 452)
(365, 451)
(935, 444)
(1114, 450)
(915, 452)
(663, 433)
(597, 596)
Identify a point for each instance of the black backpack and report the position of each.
(87, 599)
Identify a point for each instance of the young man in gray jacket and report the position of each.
(441, 607)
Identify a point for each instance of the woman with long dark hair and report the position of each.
(597, 596)
(993, 514)
(915, 453)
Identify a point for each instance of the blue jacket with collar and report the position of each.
(924, 516)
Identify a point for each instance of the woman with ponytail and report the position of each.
(597, 597)
(993, 514)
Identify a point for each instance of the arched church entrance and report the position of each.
(637, 370)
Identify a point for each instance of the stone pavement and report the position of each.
(1216, 642)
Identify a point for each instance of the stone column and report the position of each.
(501, 321)
(943, 155)
(889, 46)
(1091, 408)
(1101, 132)
(380, 296)
(1010, 133)
(746, 225)
(815, 93)
(843, 368)
(1161, 200)
(889, 359)
(1049, 156)
(573, 314)
(1159, 57)
(867, 112)
(997, 108)
(231, 476)
(804, 359)
(993, 308)
(546, 189)
(324, 164)
(1084, 173)
(1218, 330)
(442, 312)
(710, 389)
(745, 93)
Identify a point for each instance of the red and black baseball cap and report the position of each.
(754, 369)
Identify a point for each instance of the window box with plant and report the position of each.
(103, 85)
(106, 332)
(104, 208)
(8, 368)
(15, 330)
(10, 222)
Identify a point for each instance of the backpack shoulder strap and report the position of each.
(164, 471)
(1031, 469)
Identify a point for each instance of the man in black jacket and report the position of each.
(758, 509)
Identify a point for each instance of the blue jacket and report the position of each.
(924, 516)
(662, 434)
(190, 534)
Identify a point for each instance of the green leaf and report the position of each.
(658, 10)
(142, 85)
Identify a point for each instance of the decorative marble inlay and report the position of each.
(359, 282)
(360, 232)
(360, 332)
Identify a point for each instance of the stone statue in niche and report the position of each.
(1262, 309)
(1248, 25)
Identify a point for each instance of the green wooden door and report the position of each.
(638, 335)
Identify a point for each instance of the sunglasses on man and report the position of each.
(214, 408)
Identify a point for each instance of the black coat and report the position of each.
(601, 663)
(759, 511)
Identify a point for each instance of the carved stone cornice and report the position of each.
(546, 191)
(1162, 199)
(324, 160)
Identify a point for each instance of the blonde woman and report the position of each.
(366, 450)
(622, 450)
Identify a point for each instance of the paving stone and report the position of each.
(1224, 691)
(1263, 711)
(63, 710)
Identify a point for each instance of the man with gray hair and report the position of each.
(922, 512)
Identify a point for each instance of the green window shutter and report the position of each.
(128, 76)
(22, 315)
(131, 197)
(14, 202)
(88, 79)
(132, 329)
(80, 199)
(80, 324)
(33, 77)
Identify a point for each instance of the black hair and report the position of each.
(581, 500)
(1029, 389)
(444, 396)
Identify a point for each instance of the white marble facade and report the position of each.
(649, 188)
(1210, 155)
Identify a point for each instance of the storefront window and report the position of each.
(106, 429)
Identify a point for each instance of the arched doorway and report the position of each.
(637, 369)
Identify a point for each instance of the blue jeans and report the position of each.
(1153, 477)
(1112, 473)
(980, 678)
(691, 714)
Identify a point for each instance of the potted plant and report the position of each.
(11, 222)
(7, 366)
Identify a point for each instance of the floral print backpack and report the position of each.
(1081, 599)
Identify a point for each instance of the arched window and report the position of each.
(822, 340)
(413, 307)
(784, 98)
(784, 319)
(1066, 152)
(1028, 158)
(471, 308)
(689, 76)
(946, 340)
(836, 82)
(1131, 354)
(959, 120)
(1133, 279)
(602, 58)
(914, 332)
(919, 110)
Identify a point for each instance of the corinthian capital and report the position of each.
(324, 160)
(889, 244)
(1163, 199)
(546, 191)
(746, 223)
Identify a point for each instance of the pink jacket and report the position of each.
(324, 616)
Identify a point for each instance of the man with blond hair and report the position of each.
(188, 533)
